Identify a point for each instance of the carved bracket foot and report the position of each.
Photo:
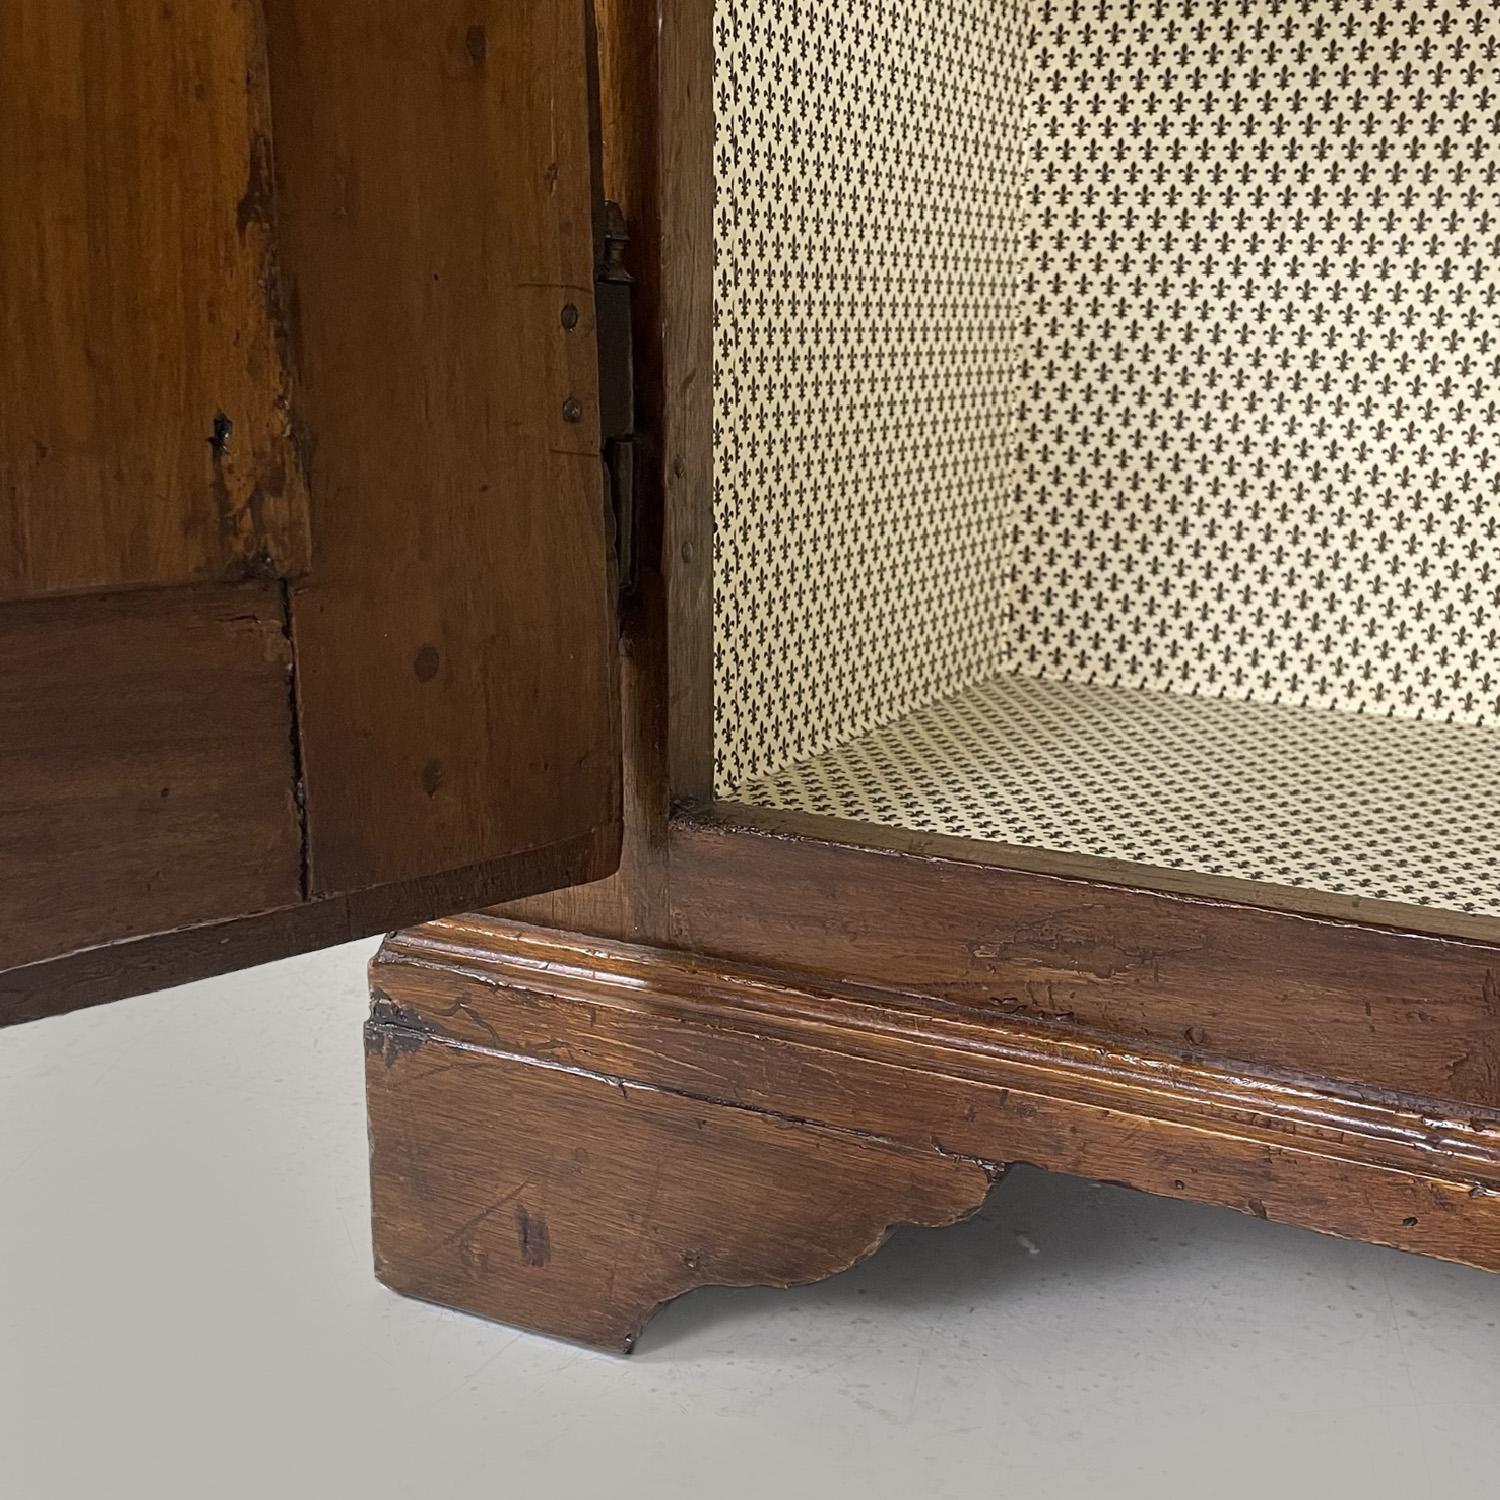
(577, 1205)
(565, 1133)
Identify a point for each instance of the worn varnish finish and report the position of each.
(436, 215)
(657, 119)
(1206, 978)
(592, 1085)
(97, 975)
(577, 1205)
(379, 221)
(145, 765)
(632, 901)
(1230, 890)
(145, 417)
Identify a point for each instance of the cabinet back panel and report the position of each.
(1258, 354)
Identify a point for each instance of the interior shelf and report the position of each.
(1394, 809)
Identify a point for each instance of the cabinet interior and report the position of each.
(1106, 413)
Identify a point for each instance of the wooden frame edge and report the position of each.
(1116, 874)
(686, 136)
(1210, 979)
(97, 976)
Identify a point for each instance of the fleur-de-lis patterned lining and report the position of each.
(1126, 346)
(1392, 808)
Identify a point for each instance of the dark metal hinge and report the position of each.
(613, 290)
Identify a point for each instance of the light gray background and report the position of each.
(187, 1309)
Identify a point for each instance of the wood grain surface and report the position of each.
(1205, 978)
(145, 765)
(577, 1205)
(422, 714)
(97, 975)
(456, 639)
(469, 1013)
(145, 418)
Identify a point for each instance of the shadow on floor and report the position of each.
(1034, 1227)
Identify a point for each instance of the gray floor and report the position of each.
(186, 1309)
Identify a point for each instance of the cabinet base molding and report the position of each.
(566, 1133)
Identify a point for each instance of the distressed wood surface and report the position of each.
(148, 439)
(577, 1206)
(97, 975)
(469, 1012)
(632, 901)
(437, 723)
(145, 765)
(1204, 978)
(1228, 890)
(456, 638)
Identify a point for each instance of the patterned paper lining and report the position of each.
(1392, 808)
(1137, 345)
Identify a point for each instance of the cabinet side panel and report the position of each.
(867, 209)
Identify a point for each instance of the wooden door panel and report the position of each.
(145, 765)
(144, 426)
(362, 231)
(436, 219)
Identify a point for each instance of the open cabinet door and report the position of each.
(306, 617)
